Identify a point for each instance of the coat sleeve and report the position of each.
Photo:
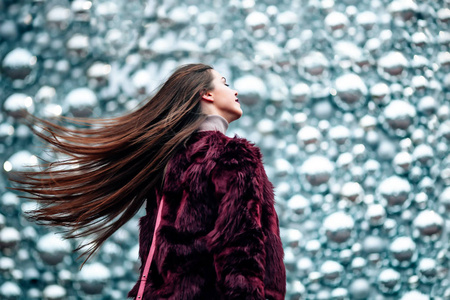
(237, 240)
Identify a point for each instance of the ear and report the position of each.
(207, 96)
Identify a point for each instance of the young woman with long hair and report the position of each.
(217, 235)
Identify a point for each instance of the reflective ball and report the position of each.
(350, 92)
(373, 244)
(19, 63)
(45, 94)
(93, 278)
(367, 19)
(309, 138)
(78, 45)
(423, 154)
(359, 289)
(81, 10)
(428, 105)
(427, 270)
(257, 23)
(340, 134)
(81, 102)
(52, 249)
(389, 281)
(336, 23)
(394, 193)
(287, 19)
(338, 227)
(403, 251)
(399, 116)
(314, 66)
(317, 170)
(18, 162)
(402, 163)
(428, 225)
(403, 10)
(299, 205)
(9, 239)
(392, 65)
(59, 17)
(98, 73)
(18, 105)
(300, 93)
(332, 272)
(375, 214)
(304, 266)
(380, 93)
(414, 295)
(54, 292)
(10, 290)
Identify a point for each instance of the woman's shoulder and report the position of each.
(231, 151)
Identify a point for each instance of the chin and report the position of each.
(237, 116)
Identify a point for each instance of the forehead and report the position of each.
(217, 75)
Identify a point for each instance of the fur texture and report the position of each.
(219, 233)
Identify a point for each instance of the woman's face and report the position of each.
(223, 98)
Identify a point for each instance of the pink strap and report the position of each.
(150, 255)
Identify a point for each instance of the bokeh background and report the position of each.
(348, 100)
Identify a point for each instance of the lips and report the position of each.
(237, 100)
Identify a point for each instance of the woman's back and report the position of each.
(219, 233)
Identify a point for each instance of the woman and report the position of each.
(219, 232)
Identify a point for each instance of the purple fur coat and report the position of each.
(219, 234)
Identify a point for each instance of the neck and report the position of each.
(214, 122)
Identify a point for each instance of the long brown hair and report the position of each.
(114, 164)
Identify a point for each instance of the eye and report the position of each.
(226, 84)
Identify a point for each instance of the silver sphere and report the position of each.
(10, 290)
(359, 289)
(309, 138)
(403, 251)
(389, 281)
(257, 23)
(352, 192)
(394, 193)
(399, 116)
(427, 270)
(414, 295)
(340, 134)
(380, 93)
(375, 214)
(402, 163)
(392, 65)
(19, 63)
(18, 105)
(54, 292)
(314, 66)
(338, 227)
(52, 249)
(81, 102)
(317, 170)
(350, 92)
(9, 239)
(93, 278)
(332, 272)
(428, 225)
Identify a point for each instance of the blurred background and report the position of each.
(348, 100)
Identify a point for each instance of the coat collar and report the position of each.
(214, 122)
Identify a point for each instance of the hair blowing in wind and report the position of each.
(113, 164)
